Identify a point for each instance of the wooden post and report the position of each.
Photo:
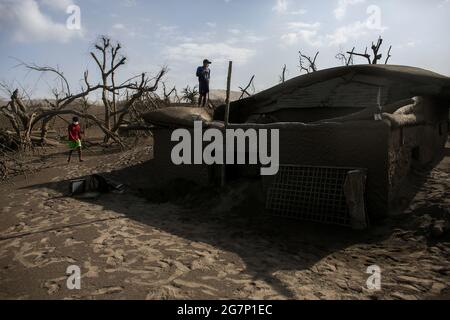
(227, 117)
(227, 109)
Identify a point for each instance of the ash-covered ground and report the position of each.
(206, 244)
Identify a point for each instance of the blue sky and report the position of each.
(260, 36)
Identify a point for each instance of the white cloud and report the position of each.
(27, 23)
(443, 3)
(247, 38)
(211, 24)
(118, 26)
(290, 39)
(407, 45)
(244, 37)
(341, 9)
(309, 37)
(57, 4)
(281, 7)
(308, 34)
(302, 32)
(349, 32)
(217, 52)
(170, 29)
(303, 25)
(251, 38)
(129, 3)
(167, 31)
(298, 12)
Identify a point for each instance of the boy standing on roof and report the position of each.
(203, 74)
(74, 131)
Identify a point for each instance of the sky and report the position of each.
(259, 36)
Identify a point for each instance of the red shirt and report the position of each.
(74, 132)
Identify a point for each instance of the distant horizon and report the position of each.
(259, 36)
(215, 91)
(98, 101)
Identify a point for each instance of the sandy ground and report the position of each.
(130, 248)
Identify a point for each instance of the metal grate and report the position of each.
(310, 193)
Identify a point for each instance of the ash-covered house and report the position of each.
(349, 136)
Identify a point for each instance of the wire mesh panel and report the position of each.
(310, 193)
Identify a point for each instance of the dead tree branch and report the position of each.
(53, 113)
(48, 69)
(141, 88)
(376, 55)
(24, 116)
(310, 65)
(167, 95)
(364, 55)
(108, 51)
(388, 55)
(346, 61)
(283, 74)
(375, 48)
(244, 90)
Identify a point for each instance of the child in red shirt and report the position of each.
(74, 131)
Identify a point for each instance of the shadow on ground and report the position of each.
(447, 152)
(234, 220)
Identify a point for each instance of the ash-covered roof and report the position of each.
(353, 86)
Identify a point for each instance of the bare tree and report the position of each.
(307, 63)
(344, 59)
(244, 91)
(108, 52)
(85, 106)
(377, 56)
(146, 85)
(388, 55)
(283, 74)
(62, 98)
(168, 93)
(24, 116)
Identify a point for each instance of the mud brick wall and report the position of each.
(362, 144)
(402, 143)
(435, 132)
(164, 170)
(417, 146)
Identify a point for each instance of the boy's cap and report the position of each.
(207, 61)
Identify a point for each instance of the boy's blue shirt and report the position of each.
(203, 75)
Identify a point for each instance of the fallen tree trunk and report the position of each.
(45, 141)
(53, 113)
(136, 127)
